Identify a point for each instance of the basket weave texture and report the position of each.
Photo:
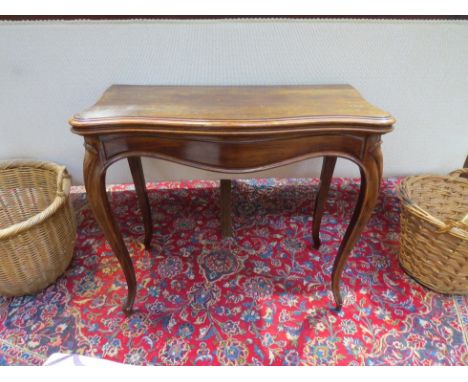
(37, 225)
(434, 238)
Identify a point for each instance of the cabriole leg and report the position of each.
(325, 178)
(94, 176)
(371, 172)
(140, 187)
(226, 207)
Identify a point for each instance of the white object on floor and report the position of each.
(61, 359)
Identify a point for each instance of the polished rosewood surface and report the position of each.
(232, 107)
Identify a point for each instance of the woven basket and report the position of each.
(37, 225)
(434, 231)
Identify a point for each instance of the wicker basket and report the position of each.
(434, 231)
(37, 225)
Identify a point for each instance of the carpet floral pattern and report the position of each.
(260, 298)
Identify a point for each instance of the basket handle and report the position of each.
(460, 173)
(63, 189)
(449, 224)
(463, 223)
(63, 182)
(456, 227)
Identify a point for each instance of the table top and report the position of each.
(231, 107)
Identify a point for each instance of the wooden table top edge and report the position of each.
(325, 120)
(105, 112)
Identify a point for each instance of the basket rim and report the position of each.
(420, 212)
(62, 193)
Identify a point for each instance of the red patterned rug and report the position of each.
(261, 298)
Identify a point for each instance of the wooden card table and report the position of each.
(231, 129)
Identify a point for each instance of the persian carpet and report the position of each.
(260, 298)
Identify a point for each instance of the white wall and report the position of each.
(416, 70)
